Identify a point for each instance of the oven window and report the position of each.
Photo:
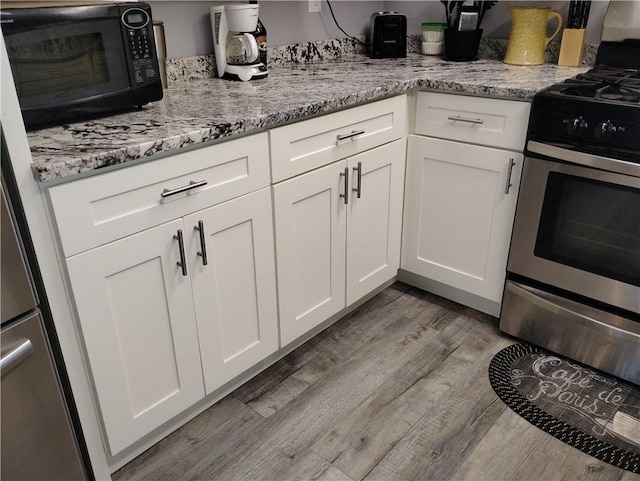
(591, 225)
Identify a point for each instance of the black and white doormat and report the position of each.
(589, 410)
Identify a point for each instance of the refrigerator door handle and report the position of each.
(16, 356)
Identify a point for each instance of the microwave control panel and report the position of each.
(137, 26)
(139, 44)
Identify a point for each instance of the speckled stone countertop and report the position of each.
(199, 111)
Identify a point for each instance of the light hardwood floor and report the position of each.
(397, 390)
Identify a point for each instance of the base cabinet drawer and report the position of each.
(491, 122)
(96, 210)
(307, 145)
(172, 313)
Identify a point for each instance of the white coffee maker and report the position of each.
(234, 46)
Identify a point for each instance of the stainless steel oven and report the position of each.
(587, 235)
(574, 264)
(573, 275)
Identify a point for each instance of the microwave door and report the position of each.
(62, 63)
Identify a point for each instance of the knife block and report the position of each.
(572, 47)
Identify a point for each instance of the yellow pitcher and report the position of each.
(528, 38)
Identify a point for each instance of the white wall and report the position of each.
(188, 30)
(497, 21)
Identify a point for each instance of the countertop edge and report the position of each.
(68, 169)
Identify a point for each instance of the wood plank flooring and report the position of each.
(397, 390)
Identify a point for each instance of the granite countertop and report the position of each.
(199, 111)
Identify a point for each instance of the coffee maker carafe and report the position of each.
(234, 46)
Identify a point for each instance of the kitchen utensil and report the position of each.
(467, 18)
(578, 15)
(528, 38)
(585, 14)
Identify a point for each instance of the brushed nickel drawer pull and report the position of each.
(509, 184)
(354, 133)
(192, 185)
(457, 118)
(203, 245)
(182, 262)
(358, 171)
(345, 174)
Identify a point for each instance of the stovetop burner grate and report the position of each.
(603, 83)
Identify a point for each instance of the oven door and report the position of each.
(578, 229)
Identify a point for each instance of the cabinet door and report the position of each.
(459, 214)
(374, 221)
(310, 221)
(234, 293)
(136, 312)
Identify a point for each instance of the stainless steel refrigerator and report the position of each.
(39, 440)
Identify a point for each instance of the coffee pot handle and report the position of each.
(558, 17)
(253, 47)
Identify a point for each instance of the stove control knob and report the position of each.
(605, 130)
(576, 126)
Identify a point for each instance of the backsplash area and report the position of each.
(203, 66)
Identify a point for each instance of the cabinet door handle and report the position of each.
(203, 246)
(457, 118)
(349, 136)
(509, 184)
(358, 171)
(192, 185)
(182, 262)
(345, 174)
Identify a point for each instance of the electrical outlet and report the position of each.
(314, 6)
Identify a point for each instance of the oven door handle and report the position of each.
(582, 158)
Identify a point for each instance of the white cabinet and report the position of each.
(460, 203)
(138, 323)
(235, 292)
(473, 120)
(310, 231)
(300, 147)
(374, 219)
(171, 311)
(334, 247)
(460, 198)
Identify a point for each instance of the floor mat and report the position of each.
(594, 412)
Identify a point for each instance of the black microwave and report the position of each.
(76, 62)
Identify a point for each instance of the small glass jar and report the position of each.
(433, 32)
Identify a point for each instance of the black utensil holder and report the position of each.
(461, 45)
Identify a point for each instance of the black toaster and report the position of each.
(388, 35)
